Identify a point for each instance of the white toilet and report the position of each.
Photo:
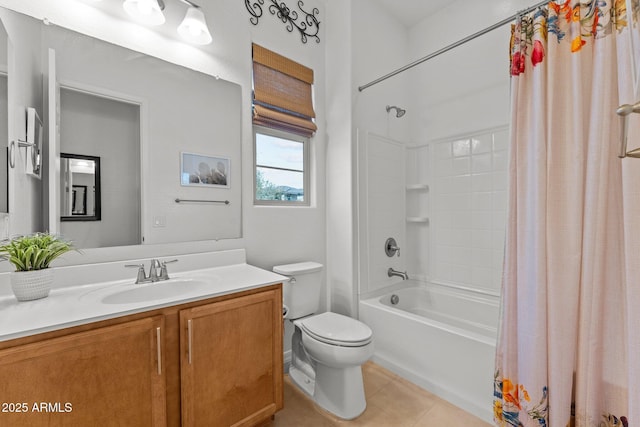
(328, 349)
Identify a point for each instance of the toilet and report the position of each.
(327, 349)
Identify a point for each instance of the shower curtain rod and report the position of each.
(453, 45)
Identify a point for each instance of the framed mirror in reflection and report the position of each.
(80, 193)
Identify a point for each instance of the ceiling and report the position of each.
(410, 12)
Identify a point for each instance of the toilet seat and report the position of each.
(336, 329)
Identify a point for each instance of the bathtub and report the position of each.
(439, 337)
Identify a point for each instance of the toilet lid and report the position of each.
(336, 329)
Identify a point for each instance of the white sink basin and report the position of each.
(159, 290)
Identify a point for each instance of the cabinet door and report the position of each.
(111, 376)
(231, 361)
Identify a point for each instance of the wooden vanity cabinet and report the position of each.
(231, 361)
(215, 362)
(93, 378)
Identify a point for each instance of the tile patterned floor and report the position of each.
(391, 402)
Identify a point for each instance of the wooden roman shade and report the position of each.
(282, 93)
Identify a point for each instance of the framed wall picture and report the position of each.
(204, 171)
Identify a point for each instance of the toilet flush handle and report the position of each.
(292, 280)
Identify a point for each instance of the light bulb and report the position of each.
(194, 27)
(145, 11)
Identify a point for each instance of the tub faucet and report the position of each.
(391, 272)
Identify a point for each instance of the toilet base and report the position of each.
(340, 391)
(302, 380)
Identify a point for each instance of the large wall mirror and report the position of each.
(4, 120)
(137, 114)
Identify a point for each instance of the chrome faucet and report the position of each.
(142, 275)
(157, 271)
(163, 269)
(154, 270)
(391, 272)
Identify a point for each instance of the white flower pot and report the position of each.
(30, 285)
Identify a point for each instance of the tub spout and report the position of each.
(391, 272)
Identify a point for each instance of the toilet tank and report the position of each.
(302, 292)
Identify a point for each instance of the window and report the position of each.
(281, 165)
(283, 119)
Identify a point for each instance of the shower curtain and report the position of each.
(568, 351)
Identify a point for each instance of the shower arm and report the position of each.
(623, 112)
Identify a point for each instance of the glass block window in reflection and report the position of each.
(282, 168)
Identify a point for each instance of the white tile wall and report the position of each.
(468, 208)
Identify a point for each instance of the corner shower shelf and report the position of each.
(418, 219)
(417, 187)
(417, 191)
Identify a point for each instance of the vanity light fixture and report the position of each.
(194, 26)
(145, 11)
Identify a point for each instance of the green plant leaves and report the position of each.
(33, 252)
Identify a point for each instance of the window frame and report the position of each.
(306, 164)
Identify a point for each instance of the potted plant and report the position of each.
(31, 256)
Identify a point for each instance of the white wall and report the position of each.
(340, 233)
(25, 91)
(467, 88)
(380, 45)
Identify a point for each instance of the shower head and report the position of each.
(399, 111)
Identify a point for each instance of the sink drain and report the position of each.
(395, 299)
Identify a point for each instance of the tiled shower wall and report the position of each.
(468, 202)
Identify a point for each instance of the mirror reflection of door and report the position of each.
(79, 200)
(80, 192)
(93, 122)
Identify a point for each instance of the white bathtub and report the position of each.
(439, 337)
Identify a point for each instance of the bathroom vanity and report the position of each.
(210, 356)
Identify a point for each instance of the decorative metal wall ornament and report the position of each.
(307, 26)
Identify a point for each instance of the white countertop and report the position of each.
(77, 305)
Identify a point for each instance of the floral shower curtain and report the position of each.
(569, 346)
